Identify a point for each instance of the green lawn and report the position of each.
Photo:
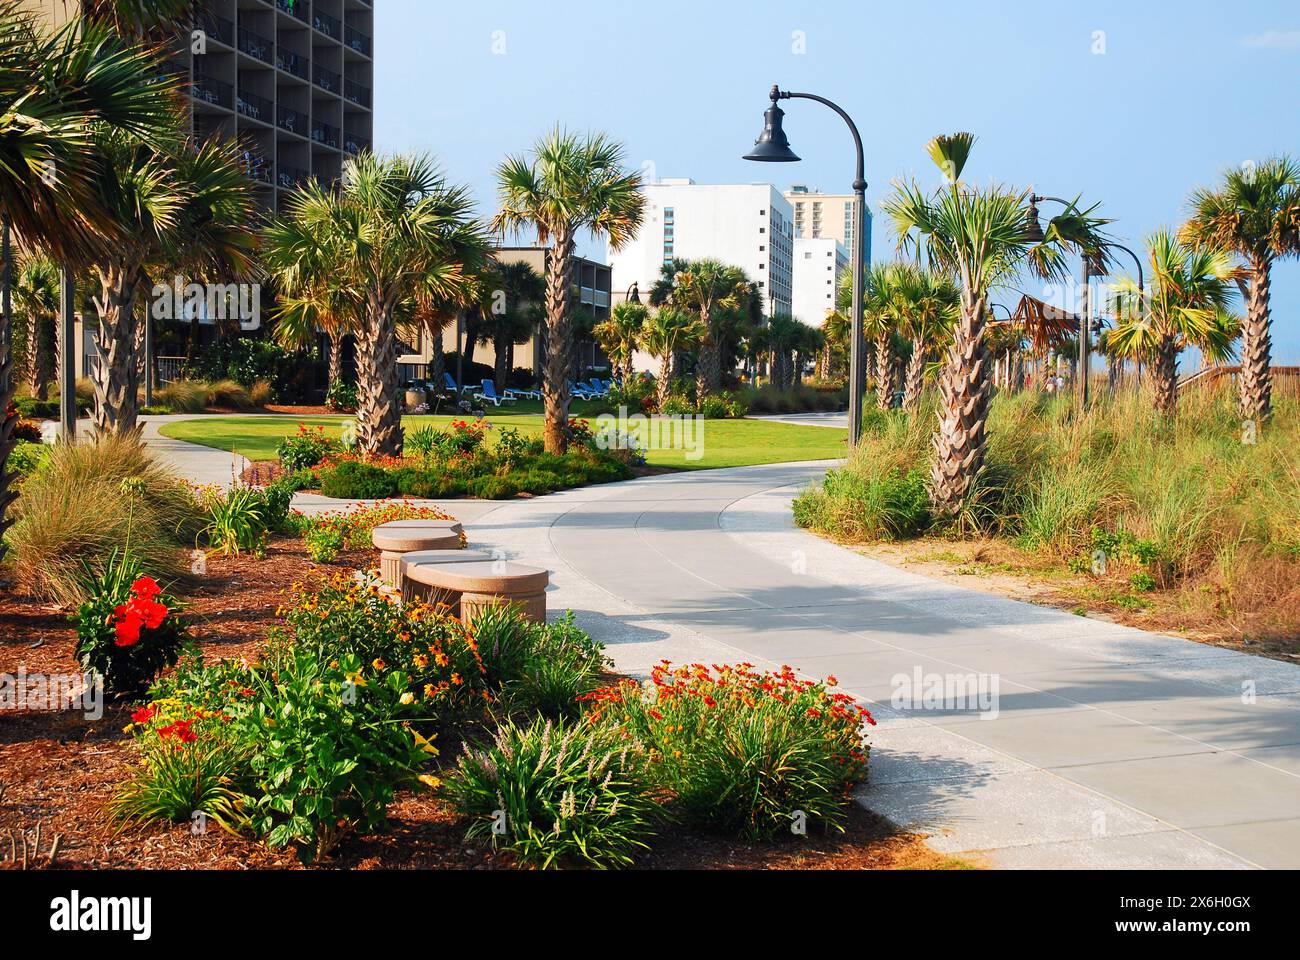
(724, 443)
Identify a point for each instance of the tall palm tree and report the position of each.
(570, 183)
(810, 343)
(979, 235)
(394, 235)
(784, 337)
(837, 330)
(668, 331)
(929, 304)
(36, 300)
(508, 297)
(182, 203)
(54, 90)
(620, 335)
(712, 290)
(1254, 213)
(1186, 303)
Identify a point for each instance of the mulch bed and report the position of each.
(59, 769)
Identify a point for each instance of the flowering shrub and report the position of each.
(539, 667)
(194, 763)
(324, 541)
(341, 397)
(128, 630)
(569, 794)
(306, 448)
(740, 750)
(462, 438)
(435, 653)
(357, 525)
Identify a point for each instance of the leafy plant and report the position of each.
(341, 397)
(306, 448)
(558, 794)
(128, 630)
(324, 542)
(238, 521)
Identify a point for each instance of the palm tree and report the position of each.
(837, 330)
(135, 17)
(36, 299)
(1255, 214)
(393, 236)
(509, 293)
(712, 290)
(784, 337)
(980, 236)
(620, 335)
(183, 203)
(810, 343)
(1186, 303)
(668, 331)
(570, 183)
(929, 304)
(54, 90)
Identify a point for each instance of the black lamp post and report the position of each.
(633, 294)
(773, 146)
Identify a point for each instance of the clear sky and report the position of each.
(1131, 103)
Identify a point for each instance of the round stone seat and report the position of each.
(413, 590)
(400, 537)
(479, 585)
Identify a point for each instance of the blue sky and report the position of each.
(1181, 91)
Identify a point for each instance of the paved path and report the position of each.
(1111, 747)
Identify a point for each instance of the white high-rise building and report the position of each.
(818, 214)
(750, 226)
(818, 265)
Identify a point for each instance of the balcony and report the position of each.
(327, 79)
(217, 28)
(254, 107)
(210, 90)
(256, 45)
(295, 8)
(356, 93)
(257, 168)
(289, 177)
(324, 133)
(290, 62)
(291, 120)
(327, 25)
(355, 145)
(354, 39)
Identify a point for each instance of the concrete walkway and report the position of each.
(1109, 748)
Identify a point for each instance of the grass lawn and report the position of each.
(726, 443)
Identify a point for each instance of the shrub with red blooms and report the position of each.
(128, 631)
(753, 754)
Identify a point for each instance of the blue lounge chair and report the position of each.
(597, 388)
(524, 394)
(488, 394)
(580, 390)
(449, 385)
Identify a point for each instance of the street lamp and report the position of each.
(773, 146)
(633, 294)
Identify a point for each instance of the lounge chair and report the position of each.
(522, 394)
(598, 389)
(489, 394)
(580, 390)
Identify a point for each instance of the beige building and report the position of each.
(820, 215)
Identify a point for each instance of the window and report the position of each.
(762, 229)
(808, 255)
(762, 213)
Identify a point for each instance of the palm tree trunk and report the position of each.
(962, 438)
(915, 380)
(335, 341)
(708, 372)
(379, 419)
(1256, 346)
(824, 374)
(115, 377)
(665, 379)
(38, 358)
(1165, 376)
(437, 359)
(559, 344)
(884, 372)
(502, 359)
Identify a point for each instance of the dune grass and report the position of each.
(1201, 506)
(726, 443)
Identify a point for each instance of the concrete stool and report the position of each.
(414, 590)
(393, 540)
(483, 584)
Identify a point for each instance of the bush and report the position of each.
(128, 630)
(331, 749)
(246, 360)
(341, 397)
(261, 393)
(90, 500)
(351, 480)
(493, 488)
(306, 448)
(27, 457)
(569, 794)
(891, 506)
(741, 751)
(324, 542)
(434, 653)
(538, 668)
(239, 520)
(230, 395)
(183, 396)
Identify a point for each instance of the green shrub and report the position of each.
(230, 395)
(238, 521)
(341, 397)
(27, 457)
(493, 488)
(247, 360)
(558, 794)
(128, 630)
(742, 751)
(351, 480)
(538, 668)
(324, 542)
(183, 396)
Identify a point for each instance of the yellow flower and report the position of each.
(421, 661)
(407, 699)
(433, 783)
(378, 664)
(356, 679)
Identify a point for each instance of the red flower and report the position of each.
(127, 628)
(146, 588)
(151, 613)
(144, 715)
(180, 730)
